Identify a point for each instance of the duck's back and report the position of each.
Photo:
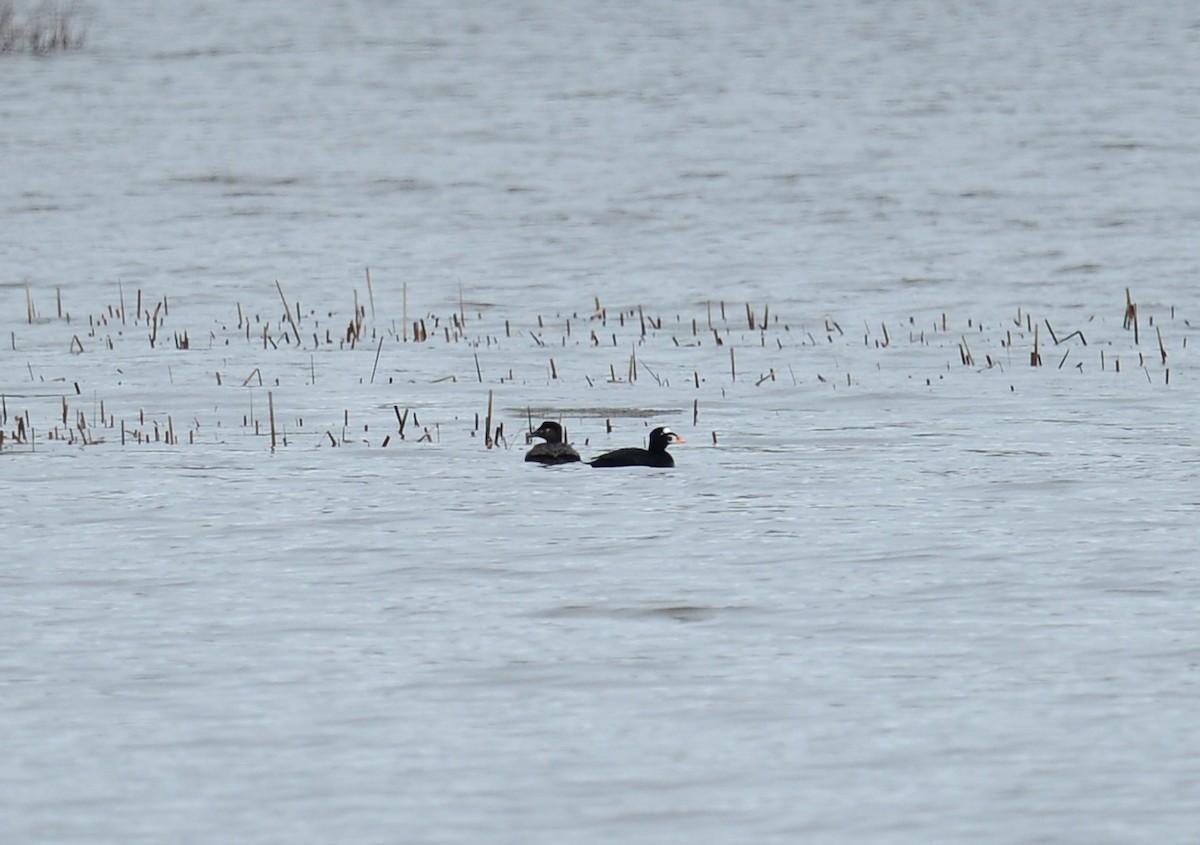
(552, 453)
(634, 457)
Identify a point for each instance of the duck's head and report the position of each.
(549, 431)
(663, 437)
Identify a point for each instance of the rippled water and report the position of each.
(901, 585)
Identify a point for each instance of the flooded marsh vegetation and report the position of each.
(290, 373)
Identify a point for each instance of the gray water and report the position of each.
(900, 587)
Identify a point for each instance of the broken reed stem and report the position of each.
(478, 371)
(271, 410)
(487, 423)
(1131, 318)
(371, 295)
(287, 310)
(1035, 357)
(378, 349)
(1162, 350)
(404, 322)
(732, 366)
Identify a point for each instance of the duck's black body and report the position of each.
(655, 456)
(553, 451)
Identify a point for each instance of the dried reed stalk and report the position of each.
(1131, 318)
(487, 424)
(287, 310)
(371, 294)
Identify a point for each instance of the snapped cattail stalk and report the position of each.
(487, 425)
(378, 349)
(1131, 318)
(287, 310)
(370, 294)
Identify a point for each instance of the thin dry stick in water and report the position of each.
(287, 310)
(1131, 318)
(376, 367)
(487, 424)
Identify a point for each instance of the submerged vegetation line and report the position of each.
(49, 28)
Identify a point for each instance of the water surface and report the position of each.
(901, 585)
